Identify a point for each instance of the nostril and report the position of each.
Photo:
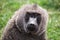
(31, 27)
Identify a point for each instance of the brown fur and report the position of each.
(14, 28)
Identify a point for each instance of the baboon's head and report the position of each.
(29, 22)
(32, 21)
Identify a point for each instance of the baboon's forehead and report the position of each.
(33, 14)
(34, 8)
(33, 11)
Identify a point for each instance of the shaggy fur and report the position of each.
(14, 29)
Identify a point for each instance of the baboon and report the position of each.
(27, 23)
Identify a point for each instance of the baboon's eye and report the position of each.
(38, 19)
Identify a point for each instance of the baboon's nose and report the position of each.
(31, 27)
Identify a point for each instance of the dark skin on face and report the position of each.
(33, 15)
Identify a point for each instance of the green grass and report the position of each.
(8, 7)
(54, 26)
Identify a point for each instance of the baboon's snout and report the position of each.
(31, 27)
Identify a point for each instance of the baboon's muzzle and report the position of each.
(31, 27)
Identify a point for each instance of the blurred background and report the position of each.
(8, 7)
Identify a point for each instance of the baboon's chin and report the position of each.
(32, 32)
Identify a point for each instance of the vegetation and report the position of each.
(8, 7)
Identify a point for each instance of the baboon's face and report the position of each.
(32, 22)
